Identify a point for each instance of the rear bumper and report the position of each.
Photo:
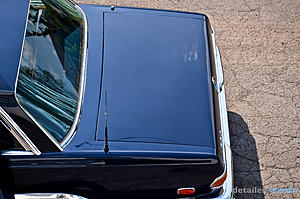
(227, 188)
(47, 196)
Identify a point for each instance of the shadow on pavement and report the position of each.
(245, 161)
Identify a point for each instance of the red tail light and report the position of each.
(219, 181)
(186, 191)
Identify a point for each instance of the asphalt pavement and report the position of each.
(259, 42)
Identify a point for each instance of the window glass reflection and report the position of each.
(48, 79)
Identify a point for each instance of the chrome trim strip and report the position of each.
(74, 126)
(227, 187)
(47, 196)
(17, 132)
(142, 151)
(17, 153)
(216, 81)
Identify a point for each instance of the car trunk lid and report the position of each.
(156, 81)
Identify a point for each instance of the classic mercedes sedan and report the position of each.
(110, 102)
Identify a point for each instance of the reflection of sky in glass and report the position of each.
(48, 77)
(47, 59)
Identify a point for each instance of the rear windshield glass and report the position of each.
(49, 75)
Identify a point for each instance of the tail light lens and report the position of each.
(186, 191)
(219, 181)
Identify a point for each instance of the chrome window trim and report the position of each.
(227, 187)
(73, 128)
(47, 196)
(17, 132)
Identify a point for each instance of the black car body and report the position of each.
(99, 101)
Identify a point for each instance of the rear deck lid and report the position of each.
(156, 78)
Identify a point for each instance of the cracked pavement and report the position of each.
(259, 42)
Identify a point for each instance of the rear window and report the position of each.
(49, 75)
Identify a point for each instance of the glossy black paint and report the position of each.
(13, 15)
(70, 172)
(83, 167)
(197, 121)
(156, 77)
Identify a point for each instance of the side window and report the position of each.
(49, 76)
(7, 140)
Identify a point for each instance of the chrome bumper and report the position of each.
(227, 188)
(47, 196)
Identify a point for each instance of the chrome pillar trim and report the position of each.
(74, 126)
(17, 132)
(47, 196)
(227, 187)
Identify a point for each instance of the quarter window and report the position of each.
(49, 75)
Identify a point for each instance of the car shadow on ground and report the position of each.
(245, 161)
